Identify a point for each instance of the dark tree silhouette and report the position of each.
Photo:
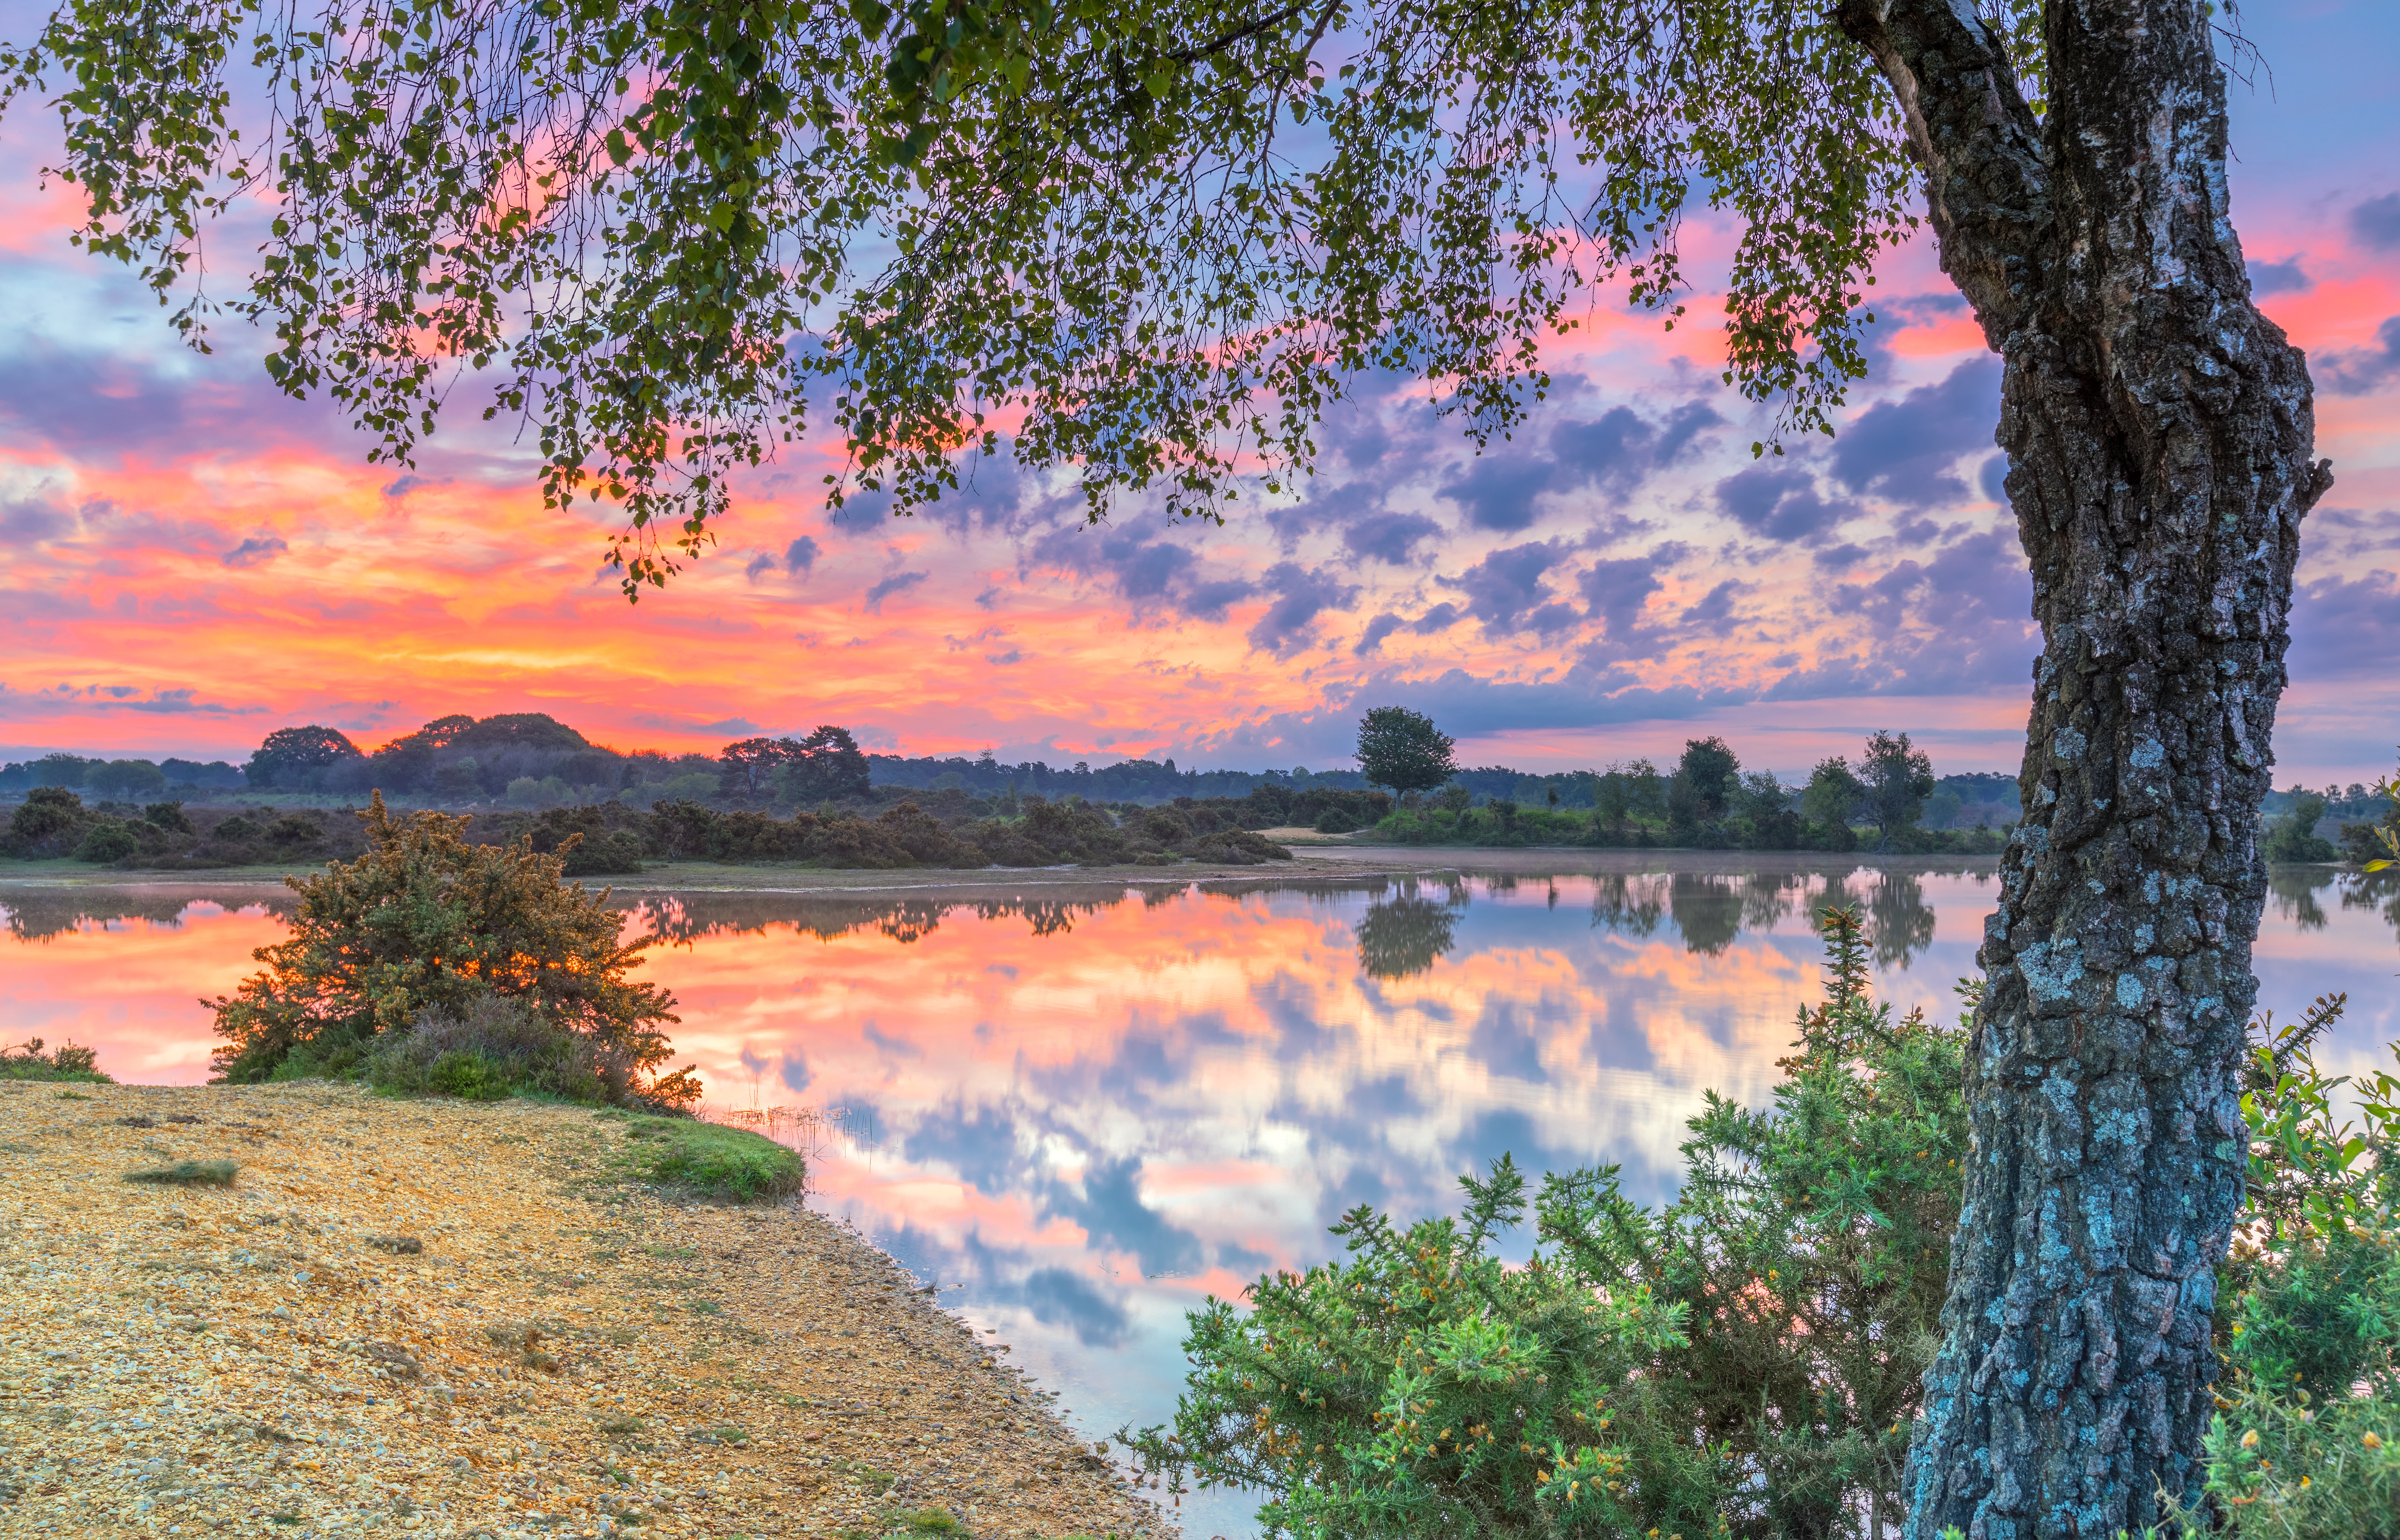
(298, 758)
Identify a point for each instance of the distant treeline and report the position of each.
(530, 760)
(949, 829)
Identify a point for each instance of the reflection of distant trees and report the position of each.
(1404, 935)
(2292, 890)
(36, 914)
(1711, 910)
(1707, 909)
(1900, 924)
(1630, 906)
(2373, 891)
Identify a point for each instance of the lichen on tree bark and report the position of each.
(2160, 446)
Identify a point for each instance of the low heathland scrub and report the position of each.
(2307, 1445)
(497, 1047)
(65, 1062)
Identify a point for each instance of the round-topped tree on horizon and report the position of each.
(1402, 749)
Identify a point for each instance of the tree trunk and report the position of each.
(2160, 436)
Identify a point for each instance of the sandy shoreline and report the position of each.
(437, 1318)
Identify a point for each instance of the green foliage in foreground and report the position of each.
(66, 1062)
(2308, 1443)
(707, 1160)
(497, 1047)
(424, 929)
(1746, 1361)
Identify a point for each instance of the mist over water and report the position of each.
(1082, 1108)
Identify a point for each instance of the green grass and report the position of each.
(931, 1521)
(189, 1173)
(705, 1161)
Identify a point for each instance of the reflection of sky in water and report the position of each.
(1088, 1110)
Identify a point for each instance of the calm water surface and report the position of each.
(1081, 1109)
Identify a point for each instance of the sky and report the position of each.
(193, 560)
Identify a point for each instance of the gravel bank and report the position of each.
(443, 1319)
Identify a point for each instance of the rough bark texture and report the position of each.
(2160, 441)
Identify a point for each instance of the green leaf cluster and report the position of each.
(1143, 244)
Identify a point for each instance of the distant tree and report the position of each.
(602, 770)
(168, 816)
(1898, 778)
(459, 779)
(1402, 749)
(829, 765)
(1764, 803)
(522, 729)
(125, 778)
(1832, 795)
(191, 772)
(747, 768)
(2294, 837)
(60, 770)
(297, 758)
(1705, 780)
(442, 731)
(47, 813)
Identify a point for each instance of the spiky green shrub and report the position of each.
(1744, 1361)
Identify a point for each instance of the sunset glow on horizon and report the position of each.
(199, 561)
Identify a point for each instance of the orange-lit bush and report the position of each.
(425, 923)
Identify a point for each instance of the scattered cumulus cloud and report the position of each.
(1300, 595)
(2356, 371)
(1906, 450)
(2268, 278)
(255, 550)
(2376, 223)
(899, 583)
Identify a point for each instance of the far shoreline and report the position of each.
(1317, 861)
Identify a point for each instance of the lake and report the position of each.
(1080, 1108)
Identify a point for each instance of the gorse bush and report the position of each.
(484, 947)
(1742, 1362)
(1746, 1361)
